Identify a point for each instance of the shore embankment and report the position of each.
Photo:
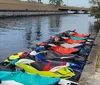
(20, 5)
(91, 72)
(15, 8)
(22, 13)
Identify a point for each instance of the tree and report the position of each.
(52, 1)
(95, 11)
(95, 8)
(59, 2)
(56, 2)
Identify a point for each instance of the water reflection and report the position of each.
(97, 26)
(28, 33)
(55, 23)
(94, 27)
(38, 28)
(91, 28)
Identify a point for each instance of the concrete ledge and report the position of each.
(21, 13)
(4, 14)
(90, 67)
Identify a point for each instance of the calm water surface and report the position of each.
(20, 34)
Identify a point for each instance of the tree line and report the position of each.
(95, 8)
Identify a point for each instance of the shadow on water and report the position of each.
(34, 30)
(97, 26)
(54, 23)
(38, 32)
(28, 33)
(20, 34)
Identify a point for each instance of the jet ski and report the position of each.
(58, 73)
(48, 64)
(63, 73)
(13, 78)
(66, 73)
(59, 37)
(55, 40)
(76, 34)
(61, 51)
(65, 34)
(24, 78)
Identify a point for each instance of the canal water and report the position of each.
(20, 34)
